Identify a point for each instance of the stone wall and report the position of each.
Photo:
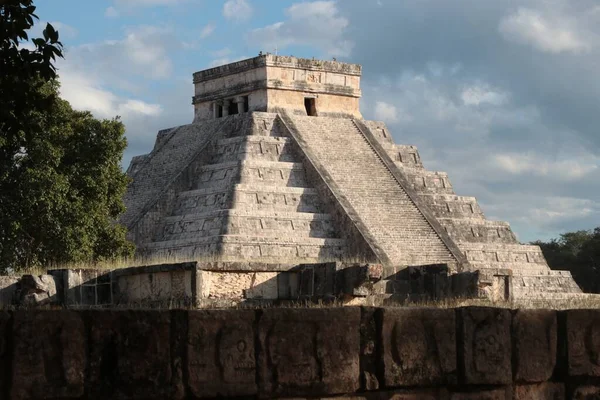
(400, 353)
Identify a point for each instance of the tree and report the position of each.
(61, 184)
(577, 252)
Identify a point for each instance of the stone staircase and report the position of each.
(388, 217)
(489, 246)
(250, 200)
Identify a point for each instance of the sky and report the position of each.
(503, 95)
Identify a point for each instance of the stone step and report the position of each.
(241, 222)
(255, 148)
(251, 247)
(252, 171)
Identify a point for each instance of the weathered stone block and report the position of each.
(540, 391)
(486, 345)
(490, 394)
(413, 394)
(8, 288)
(534, 341)
(419, 346)
(369, 358)
(586, 393)
(50, 355)
(309, 352)
(220, 353)
(4, 350)
(130, 356)
(583, 342)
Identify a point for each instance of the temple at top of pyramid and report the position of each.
(278, 166)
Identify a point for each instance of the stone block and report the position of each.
(583, 342)
(586, 393)
(130, 356)
(221, 353)
(309, 352)
(540, 391)
(504, 393)
(369, 343)
(37, 290)
(49, 355)
(4, 350)
(418, 346)
(485, 345)
(412, 394)
(8, 288)
(535, 344)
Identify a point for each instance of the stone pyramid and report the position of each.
(279, 166)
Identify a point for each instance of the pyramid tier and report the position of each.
(250, 223)
(478, 230)
(223, 175)
(292, 249)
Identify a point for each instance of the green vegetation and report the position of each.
(61, 184)
(578, 252)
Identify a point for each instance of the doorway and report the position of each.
(310, 104)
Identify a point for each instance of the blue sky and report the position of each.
(503, 95)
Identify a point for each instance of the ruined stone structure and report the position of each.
(361, 353)
(278, 166)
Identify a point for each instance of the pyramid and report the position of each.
(278, 166)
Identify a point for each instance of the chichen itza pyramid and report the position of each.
(278, 166)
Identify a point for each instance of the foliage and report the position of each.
(578, 252)
(61, 183)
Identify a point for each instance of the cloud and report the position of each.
(145, 3)
(537, 165)
(111, 12)
(386, 112)
(85, 94)
(64, 31)
(143, 49)
(207, 30)
(317, 24)
(477, 95)
(529, 27)
(237, 10)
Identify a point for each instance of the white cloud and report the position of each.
(317, 24)
(482, 94)
(551, 35)
(111, 12)
(237, 10)
(207, 30)
(386, 112)
(144, 49)
(561, 169)
(64, 31)
(85, 94)
(146, 3)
